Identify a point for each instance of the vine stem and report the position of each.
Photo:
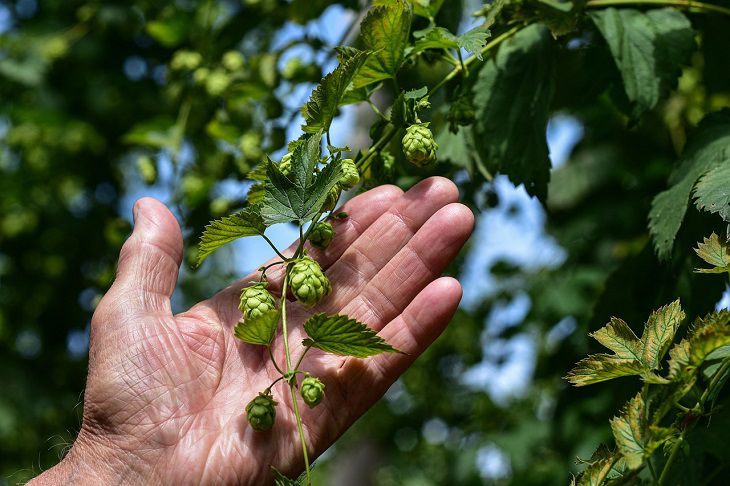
(691, 4)
(295, 406)
(672, 457)
(284, 330)
(271, 244)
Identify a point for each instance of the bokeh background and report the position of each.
(103, 102)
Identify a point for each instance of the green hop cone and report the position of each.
(312, 391)
(322, 235)
(332, 198)
(308, 283)
(350, 175)
(285, 164)
(419, 145)
(256, 300)
(261, 412)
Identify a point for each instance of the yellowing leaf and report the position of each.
(707, 335)
(599, 466)
(678, 358)
(602, 367)
(629, 431)
(659, 333)
(619, 338)
(714, 252)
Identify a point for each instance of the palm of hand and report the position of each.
(167, 393)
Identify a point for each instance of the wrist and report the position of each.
(91, 462)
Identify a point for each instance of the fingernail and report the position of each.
(135, 210)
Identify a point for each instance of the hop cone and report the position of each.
(312, 391)
(285, 164)
(322, 235)
(419, 145)
(256, 300)
(261, 412)
(350, 175)
(308, 283)
(331, 201)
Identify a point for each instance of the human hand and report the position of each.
(165, 394)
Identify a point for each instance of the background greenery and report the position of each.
(102, 101)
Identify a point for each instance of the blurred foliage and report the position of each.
(99, 99)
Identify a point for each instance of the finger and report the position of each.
(148, 264)
(418, 263)
(412, 332)
(362, 211)
(386, 237)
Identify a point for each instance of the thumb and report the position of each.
(149, 263)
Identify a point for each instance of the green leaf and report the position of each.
(434, 38)
(384, 31)
(426, 8)
(714, 252)
(344, 336)
(512, 100)
(171, 30)
(247, 222)
(659, 333)
(603, 367)
(629, 431)
(474, 41)
(256, 194)
(705, 150)
(258, 173)
(322, 106)
(712, 192)
(300, 196)
(160, 132)
(649, 49)
(619, 338)
(258, 330)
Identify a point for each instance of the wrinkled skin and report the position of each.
(165, 394)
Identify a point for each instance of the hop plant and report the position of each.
(308, 283)
(332, 198)
(350, 175)
(419, 145)
(312, 391)
(261, 412)
(322, 235)
(256, 300)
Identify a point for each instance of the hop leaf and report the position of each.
(632, 356)
(259, 330)
(221, 231)
(714, 252)
(635, 439)
(344, 336)
(308, 283)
